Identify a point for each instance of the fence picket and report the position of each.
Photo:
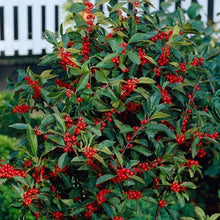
(9, 26)
(37, 43)
(37, 28)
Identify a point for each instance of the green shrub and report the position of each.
(127, 118)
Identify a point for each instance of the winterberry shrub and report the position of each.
(127, 116)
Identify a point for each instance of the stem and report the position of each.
(157, 213)
(158, 208)
(125, 148)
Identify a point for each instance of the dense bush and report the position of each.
(129, 118)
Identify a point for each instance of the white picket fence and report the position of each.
(24, 42)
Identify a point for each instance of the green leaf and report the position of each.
(160, 127)
(133, 56)
(119, 157)
(189, 185)
(56, 139)
(104, 178)
(139, 179)
(142, 92)
(101, 76)
(106, 150)
(214, 216)
(194, 10)
(82, 82)
(32, 138)
(62, 161)
(180, 199)
(18, 126)
(142, 150)
(159, 115)
(47, 120)
(146, 80)
(106, 62)
(99, 104)
(100, 159)
(200, 213)
(142, 37)
(151, 60)
(106, 143)
(77, 7)
(181, 17)
(46, 74)
(78, 20)
(187, 218)
(108, 210)
(123, 128)
(48, 60)
(51, 37)
(100, 2)
(194, 146)
(60, 122)
(74, 71)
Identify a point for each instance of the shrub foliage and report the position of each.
(128, 114)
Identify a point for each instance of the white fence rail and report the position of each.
(22, 22)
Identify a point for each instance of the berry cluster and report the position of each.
(182, 67)
(138, 21)
(58, 170)
(21, 109)
(165, 96)
(115, 60)
(162, 36)
(101, 196)
(39, 174)
(163, 59)
(131, 106)
(69, 121)
(79, 126)
(162, 203)
(180, 139)
(197, 61)
(191, 162)
(125, 70)
(129, 87)
(118, 218)
(90, 208)
(85, 51)
(29, 196)
(142, 57)
(37, 215)
(8, 171)
(66, 59)
(122, 174)
(174, 79)
(133, 194)
(93, 165)
(157, 72)
(58, 215)
(89, 15)
(156, 183)
(184, 123)
(89, 152)
(176, 187)
(136, 4)
(62, 84)
(69, 140)
(144, 166)
(124, 45)
(27, 163)
(214, 136)
(34, 85)
(200, 153)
